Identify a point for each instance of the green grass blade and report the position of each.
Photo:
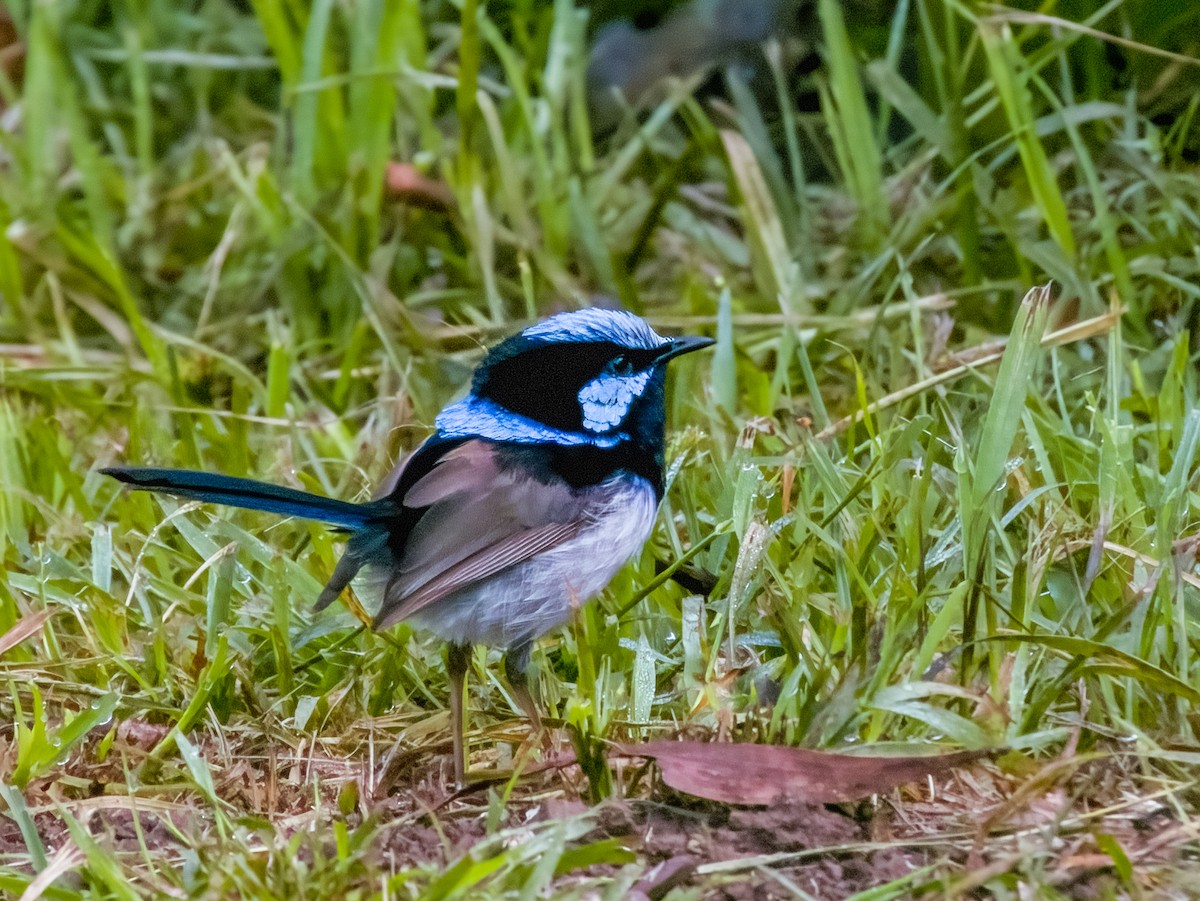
(845, 107)
(1010, 74)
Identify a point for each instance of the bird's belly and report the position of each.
(533, 597)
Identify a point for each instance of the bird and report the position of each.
(634, 50)
(529, 496)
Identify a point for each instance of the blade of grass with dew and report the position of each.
(1170, 524)
(219, 599)
(981, 478)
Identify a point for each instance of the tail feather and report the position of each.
(366, 547)
(247, 493)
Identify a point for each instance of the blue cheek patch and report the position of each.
(605, 401)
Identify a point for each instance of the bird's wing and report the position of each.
(386, 522)
(481, 565)
(479, 518)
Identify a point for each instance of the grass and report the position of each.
(199, 266)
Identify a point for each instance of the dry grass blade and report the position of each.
(64, 860)
(1004, 14)
(984, 355)
(764, 226)
(24, 628)
(1149, 560)
(866, 317)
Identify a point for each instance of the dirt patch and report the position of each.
(677, 841)
(1084, 819)
(693, 838)
(423, 843)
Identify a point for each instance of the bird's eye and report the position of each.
(622, 365)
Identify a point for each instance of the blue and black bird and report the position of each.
(533, 491)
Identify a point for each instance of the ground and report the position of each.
(1090, 823)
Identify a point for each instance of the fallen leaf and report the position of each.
(141, 733)
(405, 183)
(12, 51)
(761, 774)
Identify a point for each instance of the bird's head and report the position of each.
(591, 376)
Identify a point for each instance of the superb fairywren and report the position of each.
(529, 496)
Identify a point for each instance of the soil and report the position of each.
(974, 820)
(681, 839)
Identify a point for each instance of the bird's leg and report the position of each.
(457, 658)
(516, 670)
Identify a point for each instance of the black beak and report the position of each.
(680, 346)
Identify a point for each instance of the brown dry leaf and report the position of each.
(405, 182)
(761, 774)
(25, 627)
(141, 734)
(12, 51)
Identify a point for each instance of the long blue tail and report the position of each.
(234, 492)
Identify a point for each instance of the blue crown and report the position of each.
(615, 326)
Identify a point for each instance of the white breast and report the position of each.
(540, 594)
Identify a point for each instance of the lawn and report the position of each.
(933, 491)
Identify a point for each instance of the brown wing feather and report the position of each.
(515, 549)
(468, 467)
(480, 518)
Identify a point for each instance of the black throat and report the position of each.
(639, 450)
